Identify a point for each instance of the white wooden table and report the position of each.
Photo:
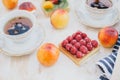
(28, 68)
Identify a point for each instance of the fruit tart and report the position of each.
(78, 47)
(49, 6)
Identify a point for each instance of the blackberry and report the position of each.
(11, 32)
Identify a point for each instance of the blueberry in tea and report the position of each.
(102, 6)
(99, 5)
(18, 25)
(11, 32)
(24, 29)
(16, 32)
(94, 4)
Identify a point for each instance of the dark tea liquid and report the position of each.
(18, 25)
(100, 4)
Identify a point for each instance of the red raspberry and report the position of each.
(88, 40)
(83, 49)
(89, 46)
(78, 37)
(79, 54)
(69, 38)
(64, 43)
(84, 35)
(82, 42)
(73, 50)
(78, 32)
(73, 41)
(77, 45)
(68, 47)
(73, 35)
(94, 43)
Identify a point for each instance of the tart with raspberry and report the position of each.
(78, 47)
(49, 6)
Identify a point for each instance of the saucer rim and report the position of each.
(84, 22)
(32, 49)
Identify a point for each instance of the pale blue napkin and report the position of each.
(106, 64)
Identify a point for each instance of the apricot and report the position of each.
(59, 18)
(108, 36)
(10, 4)
(48, 54)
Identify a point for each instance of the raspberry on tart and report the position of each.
(78, 47)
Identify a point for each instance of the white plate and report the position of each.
(18, 49)
(108, 19)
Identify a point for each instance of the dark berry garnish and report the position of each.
(94, 4)
(25, 28)
(102, 6)
(11, 32)
(98, 5)
(18, 28)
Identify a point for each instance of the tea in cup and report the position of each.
(17, 26)
(97, 9)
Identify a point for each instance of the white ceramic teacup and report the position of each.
(20, 37)
(99, 13)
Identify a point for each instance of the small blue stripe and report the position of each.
(114, 54)
(118, 43)
(112, 57)
(114, 51)
(118, 39)
(107, 67)
(110, 62)
(103, 78)
(116, 47)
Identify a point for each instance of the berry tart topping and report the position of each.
(79, 44)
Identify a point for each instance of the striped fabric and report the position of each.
(106, 64)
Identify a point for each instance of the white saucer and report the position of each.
(108, 19)
(18, 49)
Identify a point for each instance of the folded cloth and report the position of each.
(106, 64)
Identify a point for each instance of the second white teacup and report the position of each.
(99, 13)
